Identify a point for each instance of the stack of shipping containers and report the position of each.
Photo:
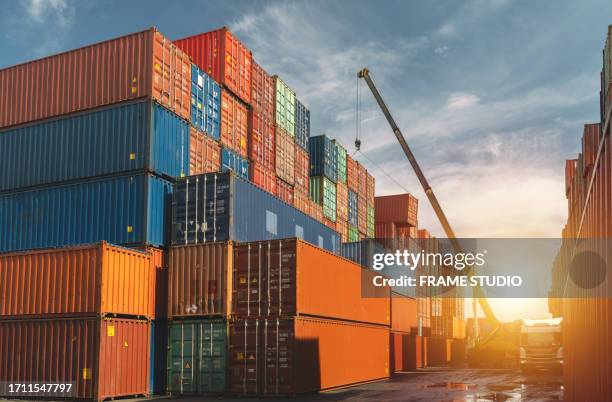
(586, 309)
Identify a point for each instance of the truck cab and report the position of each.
(540, 345)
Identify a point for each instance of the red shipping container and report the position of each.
(234, 124)
(263, 91)
(200, 280)
(403, 313)
(399, 208)
(342, 229)
(222, 56)
(352, 174)
(399, 352)
(301, 201)
(261, 140)
(362, 189)
(204, 153)
(302, 169)
(299, 267)
(316, 211)
(370, 189)
(285, 156)
(341, 202)
(385, 230)
(590, 144)
(284, 190)
(329, 223)
(570, 171)
(263, 178)
(91, 280)
(105, 359)
(295, 355)
(139, 65)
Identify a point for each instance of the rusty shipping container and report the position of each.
(204, 153)
(234, 124)
(103, 358)
(296, 355)
(199, 280)
(399, 208)
(280, 277)
(403, 313)
(285, 156)
(263, 178)
(301, 169)
(263, 91)
(97, 279)
(261, 140)
(142, 64)
(222, 56)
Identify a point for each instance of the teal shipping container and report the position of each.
(130, 209)
(323, 192)
(135, 136)
(197, 356)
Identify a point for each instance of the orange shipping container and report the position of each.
(403, 313)
(352, 174)
(204, 153)
(95, 279)
(399, 208)
(234, 124)
(296, 355)
(362, 189)
(262, 141)
(222, 56)
(285, 156)
(263, 178)
(341, 202)
(284, 190)
(370, 189)
(399, 352)
(301, 201)
(143, 64)
(199, 277)
(302, 169)
(263, 90)
(103, 359)
(316, 211)
(305, 290)
(159, 289)
(342, 229)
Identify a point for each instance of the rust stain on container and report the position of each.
(292, 277)
(143, 64)
(200, 277)
(297, 355)
(105, 358)
(94, 279)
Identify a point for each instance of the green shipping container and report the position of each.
(353, 234)
(285, 107)
(197, 356)
(323, 192)
(341, 151)
(370, 232)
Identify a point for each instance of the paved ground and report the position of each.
(448, 385)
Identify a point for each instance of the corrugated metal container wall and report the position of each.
(400, 208)
(341, 201)
(342, 229)
(232, 161)
(104, 358)
(257, 292)
(204, 153)
(323, 157)
(284, 191)
(197, 356)
(233, 217)
(570, 171)
(234, 124)
(263, 91)
(590, 144)
(302, 125)
(301, 201)
(121, 210)
(403, 313)
(205, 103)
(301, 169)
(158, 357)
(323, 192)
(285, 156)
(362, 189)
(284, 109)
(399, 352)
(316, 211)
(353, 207)
(362, 214)
(199, 280)
(221, 55)
(296, 355)
(261, 140)
(353, 233)
(263, 178)
(143, 64)
(370, 222)
(370, 189)
(385, 230)
(87, 280)
(352, 174)
(341, 154)
(131, 136)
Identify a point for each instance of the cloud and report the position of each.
(55, 18)
(60, 12)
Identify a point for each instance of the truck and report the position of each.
(540, 345)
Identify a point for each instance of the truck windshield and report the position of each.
(540, 339)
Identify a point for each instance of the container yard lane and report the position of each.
(456, 385)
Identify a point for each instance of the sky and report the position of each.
(491, 95)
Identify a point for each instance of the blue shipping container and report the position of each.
(221, 206)
(127, 137)
(323, 157)
(205, 103)
(302, 125)
(158, 357)
(230, 160)
(119, 209)
(353, 210)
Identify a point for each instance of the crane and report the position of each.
(497, 336)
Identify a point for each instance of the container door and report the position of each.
(213, 356)
(181, 358)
